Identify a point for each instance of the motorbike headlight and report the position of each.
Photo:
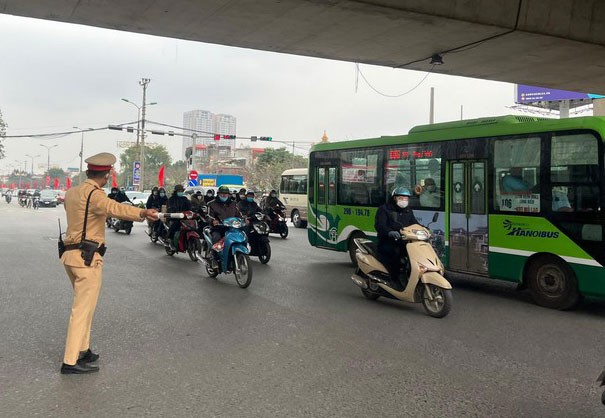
(421, 235)
(236, 223)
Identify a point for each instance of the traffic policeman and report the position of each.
(86, 207)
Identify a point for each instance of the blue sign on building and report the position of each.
(193, 182)
(136, 173)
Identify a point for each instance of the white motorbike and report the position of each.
(426, 283)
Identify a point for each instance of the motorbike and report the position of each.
(119, 224)
(229, 254)
(426, 283)
(8, 196)
(277, 222)
(36, 202)
(186, 239)
(258, 237)
(22, 200)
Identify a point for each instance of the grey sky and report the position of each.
(55, 76)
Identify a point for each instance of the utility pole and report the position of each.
(143, 83)
(432, 106)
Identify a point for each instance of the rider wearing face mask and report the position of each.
(197, 201)
(221, 208)
(272, 203)
(177, 203)
(114, 193)
(248, 207)
(390, 219)
(155, 201)
(241, 195)
(209, 196)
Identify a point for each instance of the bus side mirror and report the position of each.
(435, 216)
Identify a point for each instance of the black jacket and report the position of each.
(156, 202)
(391, 217)
(121, 197)
(248, 209)
(178, 204)
(222, 211)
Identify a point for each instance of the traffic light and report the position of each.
(253, 138)
(266, 138)
(217, 137)
(228, 136)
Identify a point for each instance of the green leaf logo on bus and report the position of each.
(519, 229)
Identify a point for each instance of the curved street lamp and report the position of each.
(48, 148)
(32, 157)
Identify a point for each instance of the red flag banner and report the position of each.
(161, 177)
(56, 183)
(47, 181)
(68, 183)
(114, 179)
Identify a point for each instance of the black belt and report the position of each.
(101, 250)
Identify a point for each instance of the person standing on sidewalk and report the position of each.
(81, 254)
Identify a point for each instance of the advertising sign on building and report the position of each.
(532, 94)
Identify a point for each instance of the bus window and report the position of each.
(517, 174)
(574, 173)
(360, 180)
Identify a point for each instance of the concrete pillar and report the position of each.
(564, 109)
(598, 107)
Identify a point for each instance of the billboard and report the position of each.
(532, 94)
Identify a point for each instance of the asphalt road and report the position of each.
(301, 341)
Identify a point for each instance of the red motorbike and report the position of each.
(187, 240)
(277, 221)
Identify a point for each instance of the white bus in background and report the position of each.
(293, 194)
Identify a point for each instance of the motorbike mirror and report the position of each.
(435, 216)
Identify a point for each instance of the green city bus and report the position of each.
(519, 198)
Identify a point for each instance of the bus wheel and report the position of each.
(552, 283)
(353, 247)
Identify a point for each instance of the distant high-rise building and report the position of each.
(200, 120)
(225, 125)
(206, 121)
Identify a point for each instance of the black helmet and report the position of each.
(401, 191)
(179, 188)
(242, 191)
(224, 189)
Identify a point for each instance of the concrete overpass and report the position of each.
(550, 43)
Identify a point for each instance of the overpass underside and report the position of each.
(550, 43)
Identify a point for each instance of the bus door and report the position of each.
(325, 200)
(468, 244)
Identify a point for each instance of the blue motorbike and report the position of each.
(230, 254)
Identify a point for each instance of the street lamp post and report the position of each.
(19, 172)
(141, 128)
(48, 148)
(32, 157)
(81, 152)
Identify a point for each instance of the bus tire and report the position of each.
(352, 247)
(552, 283)
(298, 223)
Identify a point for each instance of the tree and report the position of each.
(3, 127)
(266, 172)
(175, 174)
(155, 157)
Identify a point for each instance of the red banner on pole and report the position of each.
(68, 183)
(47, 181)
(56, 183)
(114, 179)
(161, 177)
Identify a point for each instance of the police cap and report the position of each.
(101, 162)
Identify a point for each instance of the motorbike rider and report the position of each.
(114, 193)
(272, 204)
(248, 206)
(121, 196)
(241, 195)
(177, 203)
(219, 209)
(209, 196)
(197, 201)
(155, 201)
(390, 219)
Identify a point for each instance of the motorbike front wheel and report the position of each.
(193, 248)
(128, 230)
(440, 303)
(284, 231)
(370, 295)
(266, 253)
(243, 275)
(212, 273)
